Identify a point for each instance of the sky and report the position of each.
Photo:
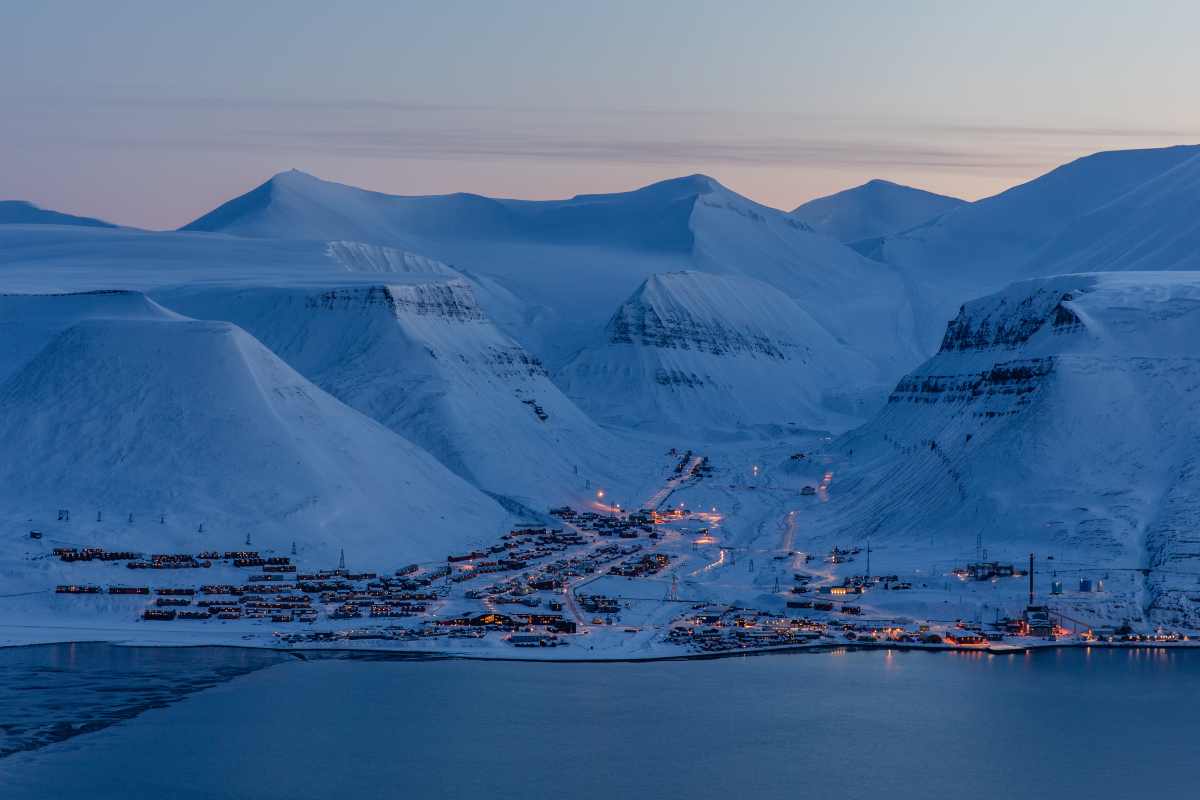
(152, 113)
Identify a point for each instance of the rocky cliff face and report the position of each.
(1059, 416)
(446, 300)
(1005, 324)
(362, 257)
(643, 324)
(998, 351)
(697, 352)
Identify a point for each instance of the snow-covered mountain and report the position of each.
(703, 354)
(21, 212)
(876, 208)
(135, 410)
(572, 262)
(1059, 416)
(295, 205)
(29, 322)
(419, 355)
(1155, 226)
(980, 247)
(54, 258)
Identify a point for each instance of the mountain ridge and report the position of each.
(22, 212)
(873, 209)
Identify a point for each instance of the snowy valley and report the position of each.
(629, 424)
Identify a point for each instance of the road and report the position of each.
(658, 498)
(789, 532)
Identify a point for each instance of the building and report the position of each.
(1038, 621)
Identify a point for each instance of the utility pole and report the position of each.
(1031, 579)
(868, 559)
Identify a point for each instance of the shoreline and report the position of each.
(305, 653)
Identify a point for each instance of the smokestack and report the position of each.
(1031, 579)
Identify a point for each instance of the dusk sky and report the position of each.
(151, 113)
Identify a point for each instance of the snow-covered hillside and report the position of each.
(575, 261)
(134, 410)
(55, 258)
(1059, 416)
(1155, 226)
(876, 208)
(20, 212)
(29, 322)
(405, 377)
(419, 355)
(704, 355)
(980, 247)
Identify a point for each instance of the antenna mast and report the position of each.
(1031, 579)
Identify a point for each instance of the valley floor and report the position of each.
(732, 552)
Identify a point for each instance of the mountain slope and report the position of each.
(1155, 226)
(297, 205)
(576, 260)
(20, 212)
(199, 422)
(1008, 228)
(701, 354)
(420, 356)
(51, 258)
(1059, 416)
(29, 322)
(982, 246)
(876, 208)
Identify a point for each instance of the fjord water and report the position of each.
(1089, 723)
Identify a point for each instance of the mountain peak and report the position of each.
(873, 209)
(295, 178)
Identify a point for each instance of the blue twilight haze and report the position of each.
(182, 105)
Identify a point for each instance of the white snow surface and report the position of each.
(1059, 416)
(876, 208)
(345, 369)
(1155, 226)
(1055, 223)
(20, 212)
(423, 358)
(155, 414)
(573, 262)
(709, 355)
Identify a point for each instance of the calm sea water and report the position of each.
(1072, 723)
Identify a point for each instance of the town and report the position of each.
(591, 581)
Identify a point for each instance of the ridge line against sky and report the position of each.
(184, 107)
